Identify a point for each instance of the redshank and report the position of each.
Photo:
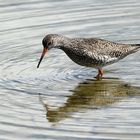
(90, 52)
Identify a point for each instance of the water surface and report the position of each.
(62, 100)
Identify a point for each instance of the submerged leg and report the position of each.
(100, 73)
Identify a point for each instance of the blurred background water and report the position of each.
(61, 100)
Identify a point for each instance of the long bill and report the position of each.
(43, 54)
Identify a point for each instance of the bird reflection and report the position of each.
(91, 94)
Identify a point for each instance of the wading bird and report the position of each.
(90, 52)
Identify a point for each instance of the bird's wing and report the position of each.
(100, 57)
(106, 51)
(101, 50)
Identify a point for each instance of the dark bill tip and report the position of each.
(42, 56)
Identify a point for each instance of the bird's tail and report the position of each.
(137, 47)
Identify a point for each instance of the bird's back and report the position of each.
(95, 52)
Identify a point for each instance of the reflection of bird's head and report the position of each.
(55, 115)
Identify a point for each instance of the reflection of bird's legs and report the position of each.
(100, 73)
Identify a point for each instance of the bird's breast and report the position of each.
(84, 60)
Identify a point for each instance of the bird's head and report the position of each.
(51, 41)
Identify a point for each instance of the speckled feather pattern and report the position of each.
(91, 52)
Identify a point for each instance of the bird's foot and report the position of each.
(100, 74)
(98, 77)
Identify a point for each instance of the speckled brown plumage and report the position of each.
(90, 52)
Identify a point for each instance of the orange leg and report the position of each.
(100, 73)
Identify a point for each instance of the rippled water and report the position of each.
(61, 100)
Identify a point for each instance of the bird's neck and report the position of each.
(64, 43)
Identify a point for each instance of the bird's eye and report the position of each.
(49, 43)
